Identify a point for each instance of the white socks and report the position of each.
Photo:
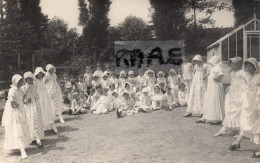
(23, 153)
(61, 119)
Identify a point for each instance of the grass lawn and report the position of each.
(161, 136)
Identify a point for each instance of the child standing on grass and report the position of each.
(54, 91)
(187, 70)
(214, 101)
(81, 85)
(234, 99)
(17, 133)
(182, 95)
(197, 90)
(33, 109)
(173, 81)
(250, 117)
(87, 78)
(121, 81)
(157, 98)
(99, 71)
(169, 99)
(150, 81)
(45, 101)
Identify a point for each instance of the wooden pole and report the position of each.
(19, 62)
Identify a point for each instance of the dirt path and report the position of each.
(162, 136)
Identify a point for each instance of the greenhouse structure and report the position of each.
(243, 41)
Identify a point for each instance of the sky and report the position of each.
(119, 9)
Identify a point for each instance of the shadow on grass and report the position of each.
(63, 129)
(49, 145)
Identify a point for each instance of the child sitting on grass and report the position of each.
(91, 100)
(103, 104)
(157, 98)
(82, 87)
(145, 103)
(126, 106)
(77, 104)
(115, 104)
(169, 99)
(182, 95)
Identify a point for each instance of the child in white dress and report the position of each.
(250, 117)
(197, 90)
(213, 105)
(33, 109)
(233, 99)
(150, 81)
(182, 95)
(115, 104)
(99, 71)
(157, 98)
(103, 104)
(54, 91)
(126, 106)
(87, 78)
(47, 108)
(77, 106)
(17, 133)
(96, 81)
(187, 70)
(91, 99)
(105, 82)
(131, 79)
(114, 80)
(82, 87)
(145, 103)
(140, 79)
(173, 81)
(161, 78)
(122, 80)
(170, 99)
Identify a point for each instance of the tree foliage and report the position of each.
(168, 18)
(83, 13)
(244, 10)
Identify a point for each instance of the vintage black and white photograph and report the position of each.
(133, 81)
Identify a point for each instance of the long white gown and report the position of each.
(197, 91)
(47, 107)
(234, 99)
(214, 97)
(250, 113)
(17, 133)
(55, 93)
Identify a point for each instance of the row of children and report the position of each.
(143, 93)
(238, 109)
(31, 108)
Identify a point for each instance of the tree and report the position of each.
(134, 28)
(96, 30)
(61, 42)
(83, 13)
(169, 19)
(244, 10)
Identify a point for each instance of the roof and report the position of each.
(230, 33)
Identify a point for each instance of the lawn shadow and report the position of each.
(71, 118)
(63, 129)
(49, 145)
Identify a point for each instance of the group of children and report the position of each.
(103, 92)
(238, 109)
(31, 107)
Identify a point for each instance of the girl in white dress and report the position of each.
(182, 95)
(173, 81)
(53, 89)
(140, 79)
(103, 104)
(170, 99)
(250, 117)
(214, 98)
(157, 98)
(121, 80)
(145, 103)
(126, 106)
(33, 109)
(233, 99)
(17, 133)
(131, 79)
(114, 80)
(47, 108)
(197, 90)
(150, 81)
(161, 78)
